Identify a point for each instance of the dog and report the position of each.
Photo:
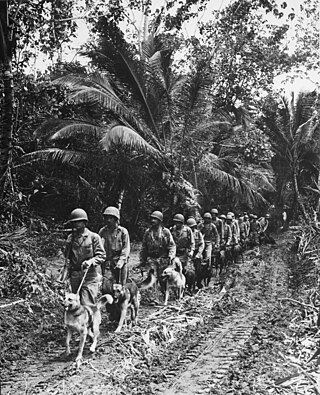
(83, 319)
(124, 297)
(203, 272)
(172, 277)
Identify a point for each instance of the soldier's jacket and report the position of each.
(183, 239)
(264, 223)
(219, 225)
(198, 241)
(87, 246)
(116, 243)
(227, 234)
(157, 243)
(243, 230)
(210, 234)
(254, 227)
(234, 232)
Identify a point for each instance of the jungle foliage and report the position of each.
(155, 119)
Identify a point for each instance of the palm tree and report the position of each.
(148, 111)
(294, 130)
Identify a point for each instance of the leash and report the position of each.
(83, 278)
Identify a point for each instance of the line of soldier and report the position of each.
(191, 242)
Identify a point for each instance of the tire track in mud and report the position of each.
(210, 361)
(217, 354)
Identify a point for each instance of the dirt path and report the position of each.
(192, 361)
(213, 358)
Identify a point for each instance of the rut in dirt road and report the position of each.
(202, 369)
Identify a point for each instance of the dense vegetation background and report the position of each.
(154, 118)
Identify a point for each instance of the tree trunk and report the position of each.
(7, 108)
(297, 199)
(6, 130)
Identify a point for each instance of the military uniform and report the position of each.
(185, 244)
(211, 239)
(117, 246)
(87, 246)
(158, 249)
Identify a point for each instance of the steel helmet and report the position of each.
(178, 218)
(78, 214)
(191, 222)
(214, 211)
(207, 215)
(223, 216)
(229, 216)
(157, 215)
(112, 211)
(231, 213)
(267, 215)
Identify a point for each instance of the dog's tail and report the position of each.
(105, 299)
(149, 281)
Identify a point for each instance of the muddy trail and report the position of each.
(203, 345)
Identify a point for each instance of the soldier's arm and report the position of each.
(192, 242)
(216, 237)
(201, 244)
(125, 251)
(171, 246)
(99, 254)
(229, 235)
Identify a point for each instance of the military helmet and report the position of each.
(113, 211)
(229, 216)
(191, 222)
(214, 211)
(207, 215)
(267, 215)
(157, 215)
(178, 218)
(222, 216)
(78, 214)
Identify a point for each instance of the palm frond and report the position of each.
(56, 129)
(239, 187)
(130, 139)
(57, 155)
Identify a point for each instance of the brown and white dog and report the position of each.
(126, 297)
(172, 277)
(83, 319)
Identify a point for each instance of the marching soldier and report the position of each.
(84, 250)
(116, 243)
(184, 240)
(158, 247)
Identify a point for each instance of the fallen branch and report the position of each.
(301, 304)
(12, 303)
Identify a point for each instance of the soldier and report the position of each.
(84, 250)
(225, 250)
(158, 247)
(217, 222)
(242, 231)
(263, 231)
(116, 243)
(210, 235)
(184, 240)
(254, 231)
